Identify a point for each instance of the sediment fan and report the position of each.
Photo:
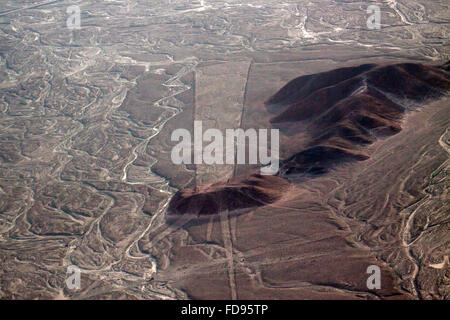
(345, 110)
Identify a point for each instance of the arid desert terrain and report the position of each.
(87, 179)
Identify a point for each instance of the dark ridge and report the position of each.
(345, 117)
(446, 66)
(318, 102)
(405, 81)
(344, 110)
(319, 159)
(367, 100)
(355, 118)
(237, 194)
(433, 77)
(346, 131)
(301, 87)
(410, 81)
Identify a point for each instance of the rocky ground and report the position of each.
(85, 173)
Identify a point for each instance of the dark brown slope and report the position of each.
(309, 95)
(344, 117)
(301, 87)
(234, 195)
(344, 110)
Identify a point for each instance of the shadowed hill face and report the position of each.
(344, 110)
(410, 81)
(344, 117)
(405, 81)
(446, 66)
(301, 87)
(236, 194)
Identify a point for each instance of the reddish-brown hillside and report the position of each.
(344, 110)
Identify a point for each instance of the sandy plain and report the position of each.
(85, 171)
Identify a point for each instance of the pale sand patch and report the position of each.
(440, 265)
(219, 100)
